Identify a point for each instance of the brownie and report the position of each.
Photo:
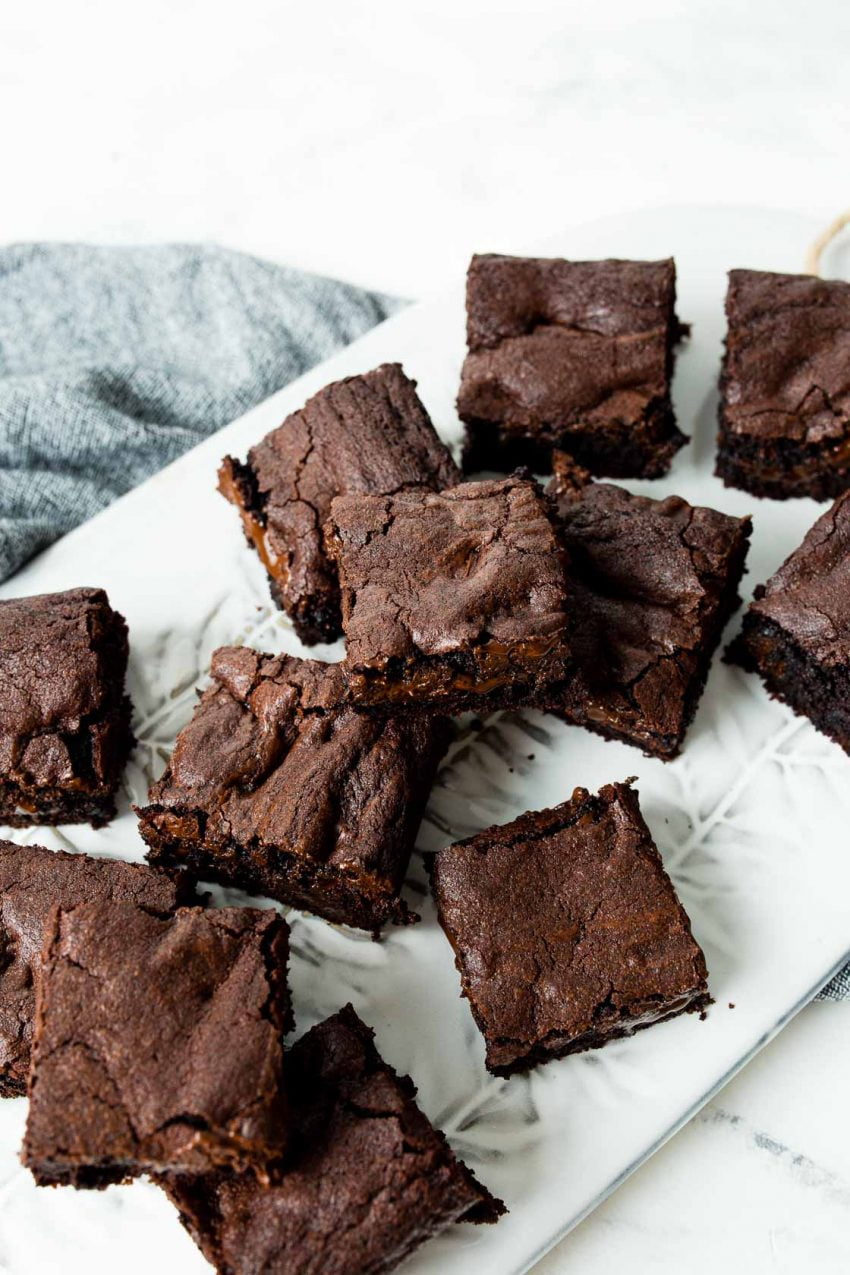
(32, 881)
(796, 633)
(570, 354)
(653, 584)
(785, 386)
(451, 600)
(365, 433)
(157, 1044)
(277, 787)
(369, 1179)
(589, 943)
(64, 718)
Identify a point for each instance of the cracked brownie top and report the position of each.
(157, 1044)
(367, 433)
(588, 942)
(786, 373)
(570, 350)
(653, 583)
(276, 787)
(430, 575)
(32, 881)
(369, 1178)
(510, 297)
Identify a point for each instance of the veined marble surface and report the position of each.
(384, 146)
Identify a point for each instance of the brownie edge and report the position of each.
(796, 631)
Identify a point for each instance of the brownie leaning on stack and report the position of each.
(306, 782)
(364, 434)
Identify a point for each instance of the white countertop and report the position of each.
(385, 146)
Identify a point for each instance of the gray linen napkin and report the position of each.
(113, 361)
(838, 989)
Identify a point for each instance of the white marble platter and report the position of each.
(751, 820)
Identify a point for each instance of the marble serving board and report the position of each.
(750, 820)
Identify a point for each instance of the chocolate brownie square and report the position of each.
(785, 386)
(33, 881)
(277, 787)
(796, 633)
(366, 433)
(64, 718)
(589, 943)
(653, 584)
(157, 1044)
(369, 1178)
(576, 355)
(451, 600)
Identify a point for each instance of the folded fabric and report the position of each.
(114, 361)
(838, 989)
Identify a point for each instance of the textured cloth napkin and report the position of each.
(838, 989)
(113, 361)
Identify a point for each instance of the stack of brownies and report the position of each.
(147, 1027)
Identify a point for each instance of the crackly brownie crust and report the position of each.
(277, 787)
(365, 433)
(654, 583)
(369, 1179)
(590, 942)
(796, 633)
(451, 600)
(32, 881)
(785, 386)
(64, 718)
(575, 355)
(129, 1073)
